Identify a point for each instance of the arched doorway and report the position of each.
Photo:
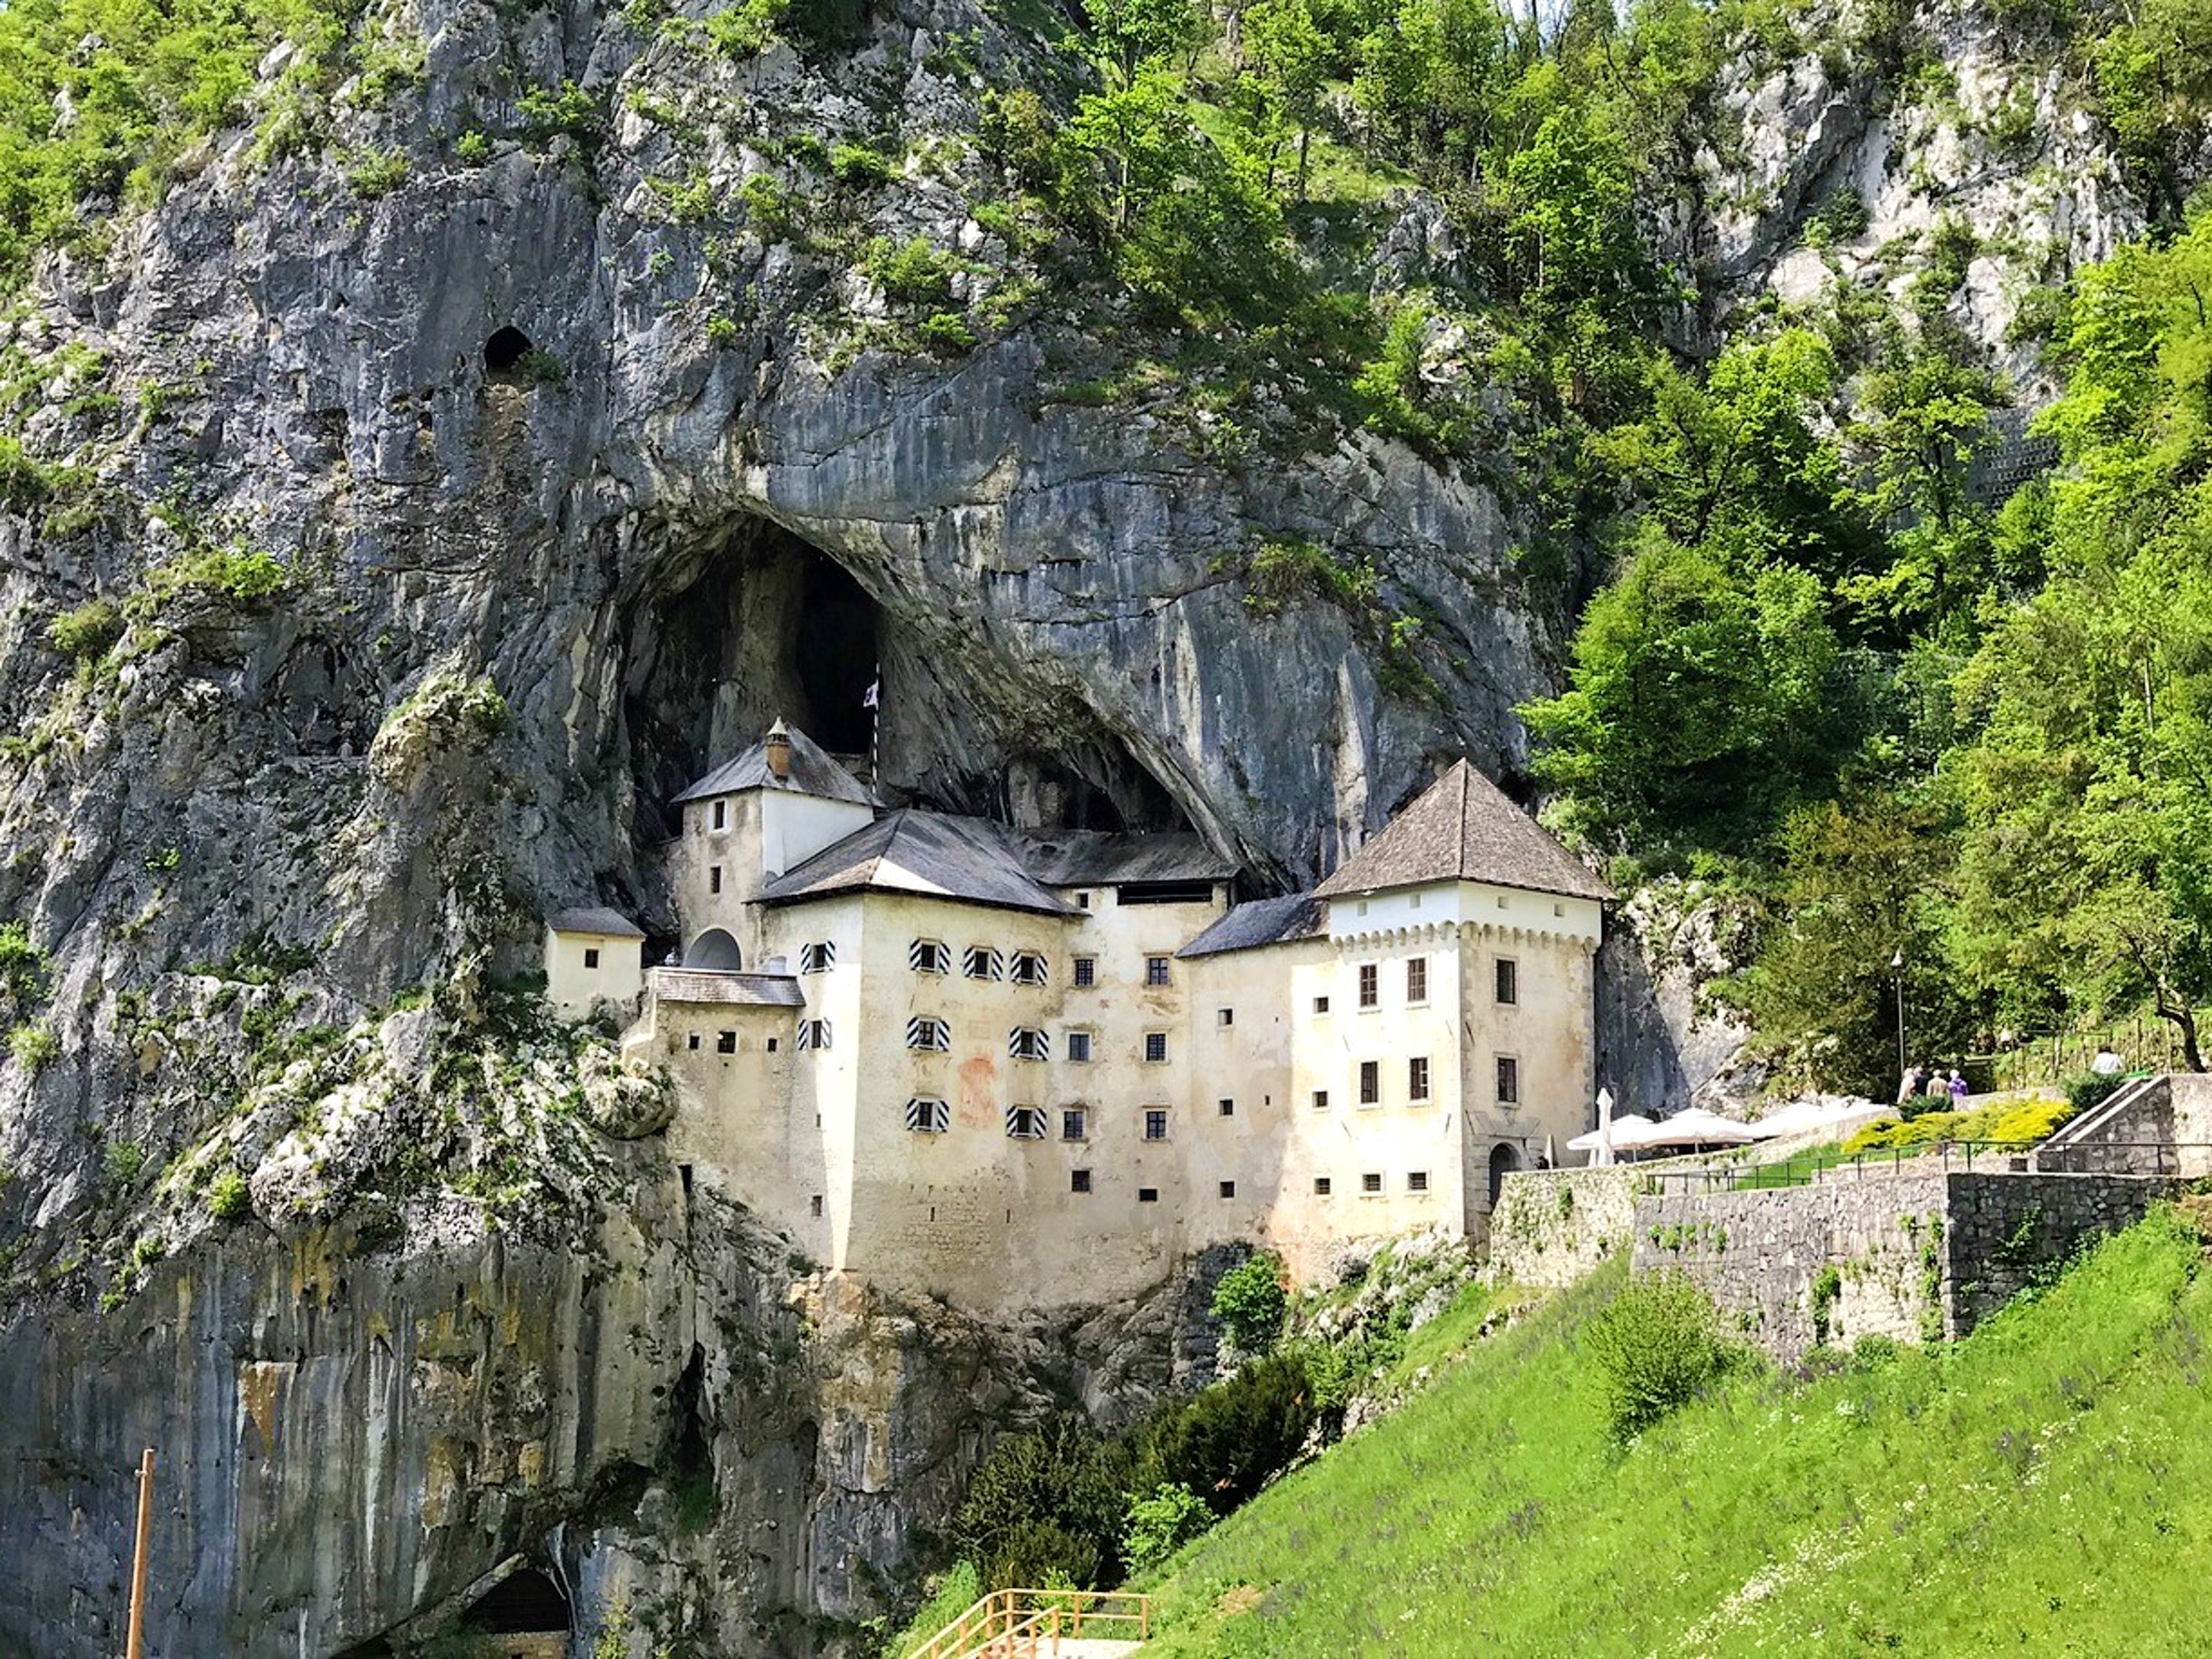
(715, 951)
(1504, 1160)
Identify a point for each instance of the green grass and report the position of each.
(2044, 1487)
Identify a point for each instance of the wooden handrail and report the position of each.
(1015, 1624)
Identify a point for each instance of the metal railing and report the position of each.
(1021, 1624)
(2163, 1157)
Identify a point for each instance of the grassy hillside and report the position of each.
(2044, 1487)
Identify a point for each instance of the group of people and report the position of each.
(1933, 1082)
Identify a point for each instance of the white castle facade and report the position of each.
(1023, 1069)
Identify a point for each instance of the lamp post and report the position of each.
(1896, 974)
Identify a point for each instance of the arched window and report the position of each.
(715, 951)
(1504, 1160)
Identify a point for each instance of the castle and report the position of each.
(1020, 1069)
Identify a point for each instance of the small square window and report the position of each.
(1417, 979)
(1083, 901)
(1417, 1077)
(1321, 1186)
(818, 958)
(929, 1034)
(1148, 1194)
(1558, 909)
(1155, 1123)
(1086, 971)
(1078, 1181)
(1074, 1124)
(927, 1115)
(1029, 969)
(1320, 1005)
(1025, 1122)
(1509, 1080)
(1027, 1042)
(1228, 1017)
(1417, 1181)
(771, 1045)
(818, 1204)
(1509, 980)
(1320, 1100)
(1156, 1047)
(725, 1042)
(1079, 1047)
(929, 956)
(721, 814)
(1229, 1109)
(1370, 984)
(1156, 970)
(1371, 1183)
(1229, 1189)
(590, 957)
(692, 1042)
(1370, 1082)
(814, 1033)
(981, 961)
(714, 878)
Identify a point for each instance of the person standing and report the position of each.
(1959, 1091)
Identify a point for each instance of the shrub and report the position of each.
(23, 969)
(947, 333)
(1842, 218)
(2091, 1090)
(1249, 1303)
(746, 30)
(229, 1197)
(33, 1045)
(546, 113)
(767, 203)
(123, 1160)
(1658, 1343)
(951, 1594)
(859, 166)
(230, 572)
(1828, 1288)
(913, 272)
(1050, 1501)
(721, 332)
(88, 631)
(1225, 1442)
(1162, 1524)
(377, 173)
(474, 148)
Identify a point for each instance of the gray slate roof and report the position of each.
(594, 919)
(926, 853)
(751, 990)
(1077, 858)
(1462, 827)
(1263, 921)
(812, 773)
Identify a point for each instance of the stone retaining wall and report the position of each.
(1552, 1227)
(1917, 1257)
(2163, 1126)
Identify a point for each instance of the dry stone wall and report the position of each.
(2162, 1126)
(1551, 1227)
(1915, 1257)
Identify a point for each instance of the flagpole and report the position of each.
(138, 1639)
(873, 703)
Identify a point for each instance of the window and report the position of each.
(1320, 1005)
(1371, 1183)
(1370, 1082)
(926, 1116)
(1156, 1047)
(1320, 1100)
(1079, 1048)
(1321, 1186)
(725, 1042)
(1229, 1189)
(721, 813)
(1228, 1017)
(814, 1033)
(1417, 1181)
(1074, 1124)
(1558, 909)
(817, 958)
(817, 1204)
(1156, 970)
(1370, 984)
(928, 956)
(926, 1031)
(1025, 1122)
(1148, 1194)
(1086, 971)
(692, 1042)
(1078, 1181)
(1229, 1109)
(1155, 1123)
(771, 1043)
(1509, 1080)
(1417, 979)
(1027, 1042)
(981, 961)
(1417, 1077)
(1083, 901)
(1509, 980)
(591, 956)
(1029, 967)
(714, 878)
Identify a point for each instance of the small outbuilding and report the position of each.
(593, 955)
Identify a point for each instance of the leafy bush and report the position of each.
(33, 1045)
(230, 572)
(946, 333)
(1249, 1303)
(1659, 1343)
(1162, 1524)
(859, 166)
(377, 173)
(913, 272)
(123, 1160)
(1842, 218)
(229, 1197)
(1226, 1441)
(1048, 1502)
(746, 30)
(767, 203)
(951, 1594)
(721, 332)
(88, 631)
(2092, 1089)
(546, 113)
(2023, 1124)
(473, 148)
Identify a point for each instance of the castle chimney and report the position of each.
(778, 750)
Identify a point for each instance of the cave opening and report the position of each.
(525, 1601)
(838, 637)
(505, 350)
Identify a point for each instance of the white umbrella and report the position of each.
(1623, 1132)
(1697, 1128)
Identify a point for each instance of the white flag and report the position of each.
(869, 701)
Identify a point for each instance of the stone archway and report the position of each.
(714, 952)
(1503, 1161)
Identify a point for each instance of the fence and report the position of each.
(2164, 1158)
(1027, 1624)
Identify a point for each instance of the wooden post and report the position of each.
(137, 1647)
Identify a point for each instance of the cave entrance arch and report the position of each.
(1503, 1161)
(714, 952)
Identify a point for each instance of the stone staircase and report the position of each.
(2153, 1126)
(1032, 1624)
